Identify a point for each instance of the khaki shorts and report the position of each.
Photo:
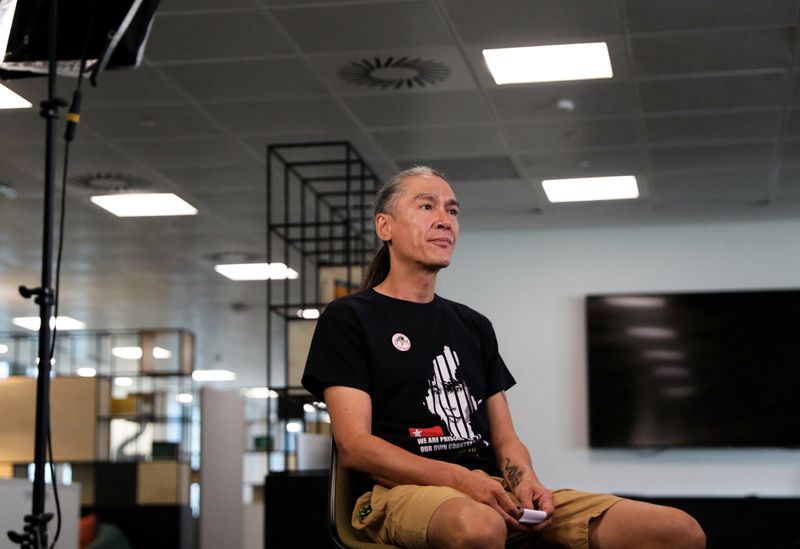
(400, 515)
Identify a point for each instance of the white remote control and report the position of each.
(532, 516)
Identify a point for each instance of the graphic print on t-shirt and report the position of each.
(449, 398)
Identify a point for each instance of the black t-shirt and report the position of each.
(428, 367)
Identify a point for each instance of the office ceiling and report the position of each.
(704, 108)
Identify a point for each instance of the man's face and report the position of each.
(423, 223)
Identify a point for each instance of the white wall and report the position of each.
(532, 285)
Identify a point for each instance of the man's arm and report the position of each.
(515, 460)
(351, 420)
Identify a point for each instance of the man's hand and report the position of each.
(484, 489)
(533, 495)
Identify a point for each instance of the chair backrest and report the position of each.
(342, 499)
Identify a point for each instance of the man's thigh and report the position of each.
(570, 528)
(399, 515)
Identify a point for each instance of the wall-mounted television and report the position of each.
(714, 369)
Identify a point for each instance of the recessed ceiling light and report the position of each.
(123, 381)
(213, 375)
(144, 204)
(3, 349)
(135, 353)
(260, 392)
(87, 372)
(584, 189)
(308, 314)
(184, 398)
(256, 271)
(64, 323)
(549, 63)
(12, 100)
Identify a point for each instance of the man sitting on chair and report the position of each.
(415, 387)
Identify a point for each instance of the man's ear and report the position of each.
(383, 226)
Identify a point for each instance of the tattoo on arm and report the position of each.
(513, 474)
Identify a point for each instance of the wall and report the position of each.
(532, 286)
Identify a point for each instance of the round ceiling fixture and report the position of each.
(108, 182)
(394, 73)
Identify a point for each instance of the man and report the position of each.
(415, 388)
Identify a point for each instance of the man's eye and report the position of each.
(426, 207)
(454, 213)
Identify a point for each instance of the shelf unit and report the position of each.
(319, 223)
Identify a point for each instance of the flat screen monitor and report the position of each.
(717, 369)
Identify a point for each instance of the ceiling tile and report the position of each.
(793, 123)
(530, 22)
(214, 36)
(700, 157)
(789, 181)
(21, 127)
(291, 115)
(482, 168)
(532, 102)
(566, 134)
(217, 179)
(364, 26)
(688, 94)
(238, 80)
(439, 142)
(429, 109)
(711, 51)
(711, 186)
(504, 196)
(586, 163)
(661, 15)
(715, 127)
(212, 151)
(150, 122)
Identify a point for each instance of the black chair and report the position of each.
(341, 503)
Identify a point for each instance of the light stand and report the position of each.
(34, 534)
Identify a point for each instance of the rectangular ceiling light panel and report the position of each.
(256, 271)
(586, 189)
(33, 322)
(549, 63)
(12, 100)
(144, 204)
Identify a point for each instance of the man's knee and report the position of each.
(466, 524)
(684, 531)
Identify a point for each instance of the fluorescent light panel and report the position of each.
(260, 392)
(87, 372)
(553, 63)
(144, 204)
(64, 323)
(12, 100)
(135, 353)
(184, 398)
(3, 349)
(256, 271)
(213, 375)
(584, 189)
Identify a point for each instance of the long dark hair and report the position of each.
(378, 268)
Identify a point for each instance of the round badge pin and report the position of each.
(401, 342)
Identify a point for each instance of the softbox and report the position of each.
(109, 33)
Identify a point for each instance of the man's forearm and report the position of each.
(391, 465)
(514, 461)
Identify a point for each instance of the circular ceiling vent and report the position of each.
(394, 73)
(108, 181)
